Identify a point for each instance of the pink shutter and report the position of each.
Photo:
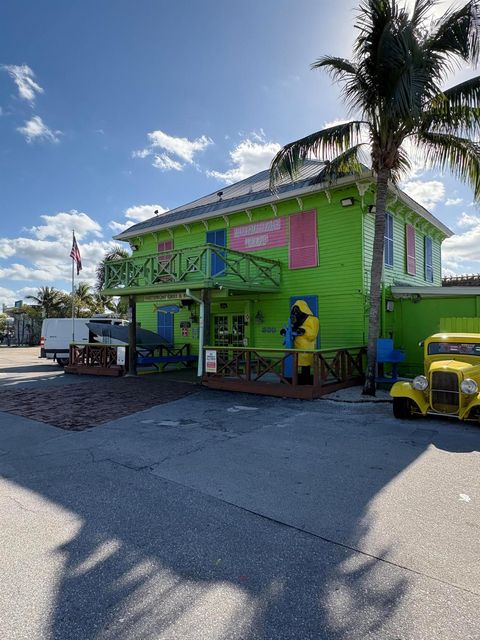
(165, 259)
(303, 248)
(166, 245)
(410, 250)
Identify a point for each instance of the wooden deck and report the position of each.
(262, 371)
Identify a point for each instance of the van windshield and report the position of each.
(453, 348)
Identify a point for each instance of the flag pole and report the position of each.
(73, 289)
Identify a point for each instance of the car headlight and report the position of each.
(420, 383)
(469, 386)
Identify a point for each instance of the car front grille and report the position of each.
(445, 396)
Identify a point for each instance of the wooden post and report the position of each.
(248, 369)
(206, 322)
(316, 370)
(132, 337)
(295, 369)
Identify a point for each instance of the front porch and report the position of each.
(209, 266)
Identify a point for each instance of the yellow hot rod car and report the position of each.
(451, 381)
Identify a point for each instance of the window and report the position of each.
(428, 259)
(388, 241)
(410, 256)
(217, 263)
(303, 248)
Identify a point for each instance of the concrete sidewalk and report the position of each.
(223, 516)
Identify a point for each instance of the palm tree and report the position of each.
(48, 298)
(116, 253)
(393, 85)
(102, 302)
(83, 299)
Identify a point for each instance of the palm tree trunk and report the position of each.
(376, 281)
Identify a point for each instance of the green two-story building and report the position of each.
(247, 253)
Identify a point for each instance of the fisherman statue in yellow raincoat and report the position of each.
(302, 331)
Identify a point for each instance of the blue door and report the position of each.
(165, 326)
(312, 302)
(220, 238)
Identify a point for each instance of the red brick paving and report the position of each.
(76, 407)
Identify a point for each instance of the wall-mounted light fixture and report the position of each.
(390, 305)
(372, 208)
(347, 202)
(259, 317)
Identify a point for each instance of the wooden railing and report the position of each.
(206, 266)
(263, 371)
(97, 358)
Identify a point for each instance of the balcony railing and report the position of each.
(207, 266)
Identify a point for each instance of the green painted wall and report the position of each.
(337, 281)
(398, 273)
(415, 320)
(340, 280)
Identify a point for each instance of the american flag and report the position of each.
(75, 255)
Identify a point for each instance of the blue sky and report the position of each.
(110, 109)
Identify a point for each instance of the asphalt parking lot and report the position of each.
(224, 516)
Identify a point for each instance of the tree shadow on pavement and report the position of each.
(152, 559)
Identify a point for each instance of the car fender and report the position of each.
(405, 390)
(475, 402)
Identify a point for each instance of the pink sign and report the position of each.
(265, 234)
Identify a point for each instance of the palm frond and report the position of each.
(323, 145)
(461, 156)
(117, 252)
(339, 68)
(455, 111)
(464, 94)
(401, 167)
(456, 33)
(347, 163)
(421, 9)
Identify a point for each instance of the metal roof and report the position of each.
(434, 292)
(255, 191)
(256, 187)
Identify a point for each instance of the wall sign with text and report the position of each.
(255, 236)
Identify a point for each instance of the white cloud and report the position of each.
(183, 149)
(135, 214)
(62, 224)
(23, 76)
(41, 256)
(48, 261)
(141, 153)
(165, 163)
(36, 129)
(118, 227)
(334, 123)
(248, 158)
(467, 220)
(451, 202)
(142, 212)
(461, 252)
(428, 193)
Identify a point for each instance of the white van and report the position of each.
(57, 333)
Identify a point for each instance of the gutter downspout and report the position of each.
(201, 331)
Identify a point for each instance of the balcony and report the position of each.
(206, 267)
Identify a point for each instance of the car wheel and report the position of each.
(62, 362)
(403, 408)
